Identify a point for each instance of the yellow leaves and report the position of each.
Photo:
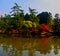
(29, 24)
(34, 24)
(26, 25)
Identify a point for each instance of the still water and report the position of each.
(34, 46)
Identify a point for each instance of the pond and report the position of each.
(34, 46)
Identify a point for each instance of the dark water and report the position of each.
(35, 46)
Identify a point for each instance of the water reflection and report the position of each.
(17, 46)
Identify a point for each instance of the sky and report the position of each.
(40, 5)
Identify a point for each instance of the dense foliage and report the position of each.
(17, 19)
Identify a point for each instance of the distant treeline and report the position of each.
(17, 19)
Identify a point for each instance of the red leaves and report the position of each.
(44, 41)
(44, 27)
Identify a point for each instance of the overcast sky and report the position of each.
(52, 6)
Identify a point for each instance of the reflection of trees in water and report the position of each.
(15, 46)
(8, 50)
(35, 44)
(45, 46)
(56, 44)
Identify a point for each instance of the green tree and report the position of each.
(56, 26)
(50, 19)
(44, 17)
(1, 23)
(7, 20)
(32, 14)
(18, 15)
(16, 10)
